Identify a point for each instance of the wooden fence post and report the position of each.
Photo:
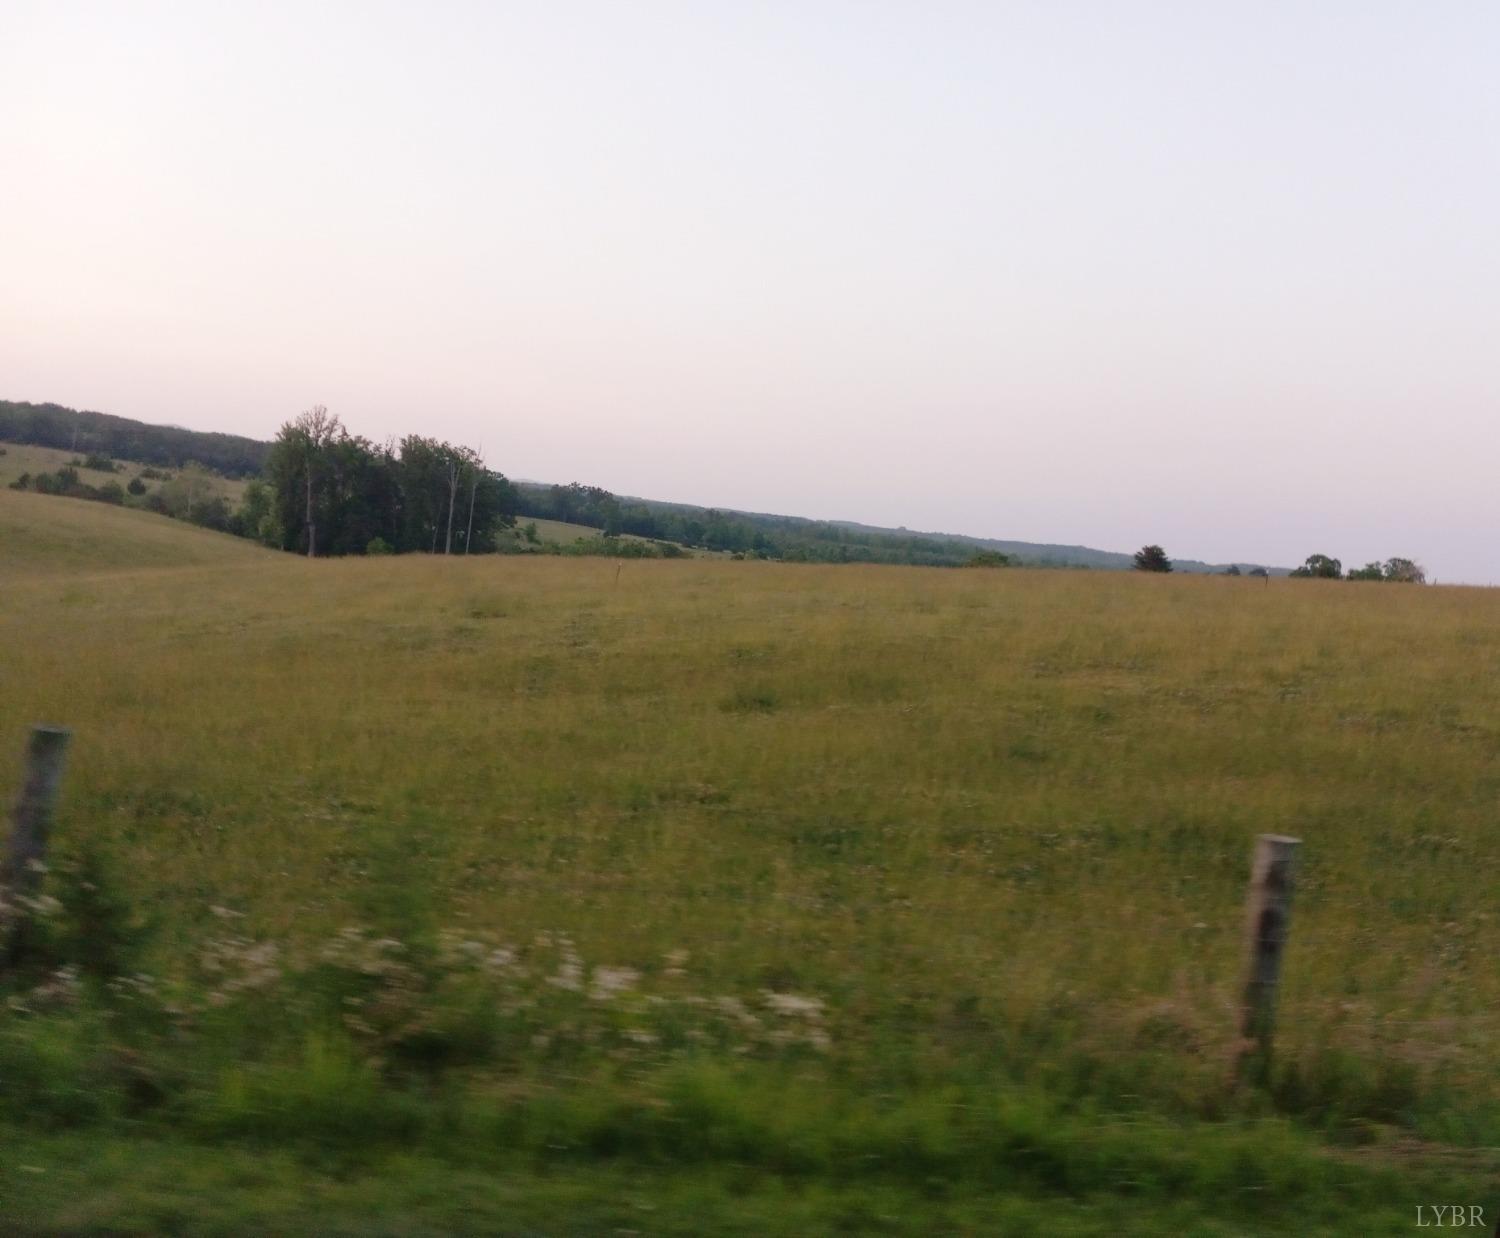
(1268, 910)
(22, 866)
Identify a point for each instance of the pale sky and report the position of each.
(1223, 276)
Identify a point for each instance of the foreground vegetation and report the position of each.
(703, 894)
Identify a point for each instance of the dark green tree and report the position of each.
(1405, 571)
(1152, 559)
(1319, 567)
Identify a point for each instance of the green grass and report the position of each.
(559, 530)
(78, 1183)
(928, 884)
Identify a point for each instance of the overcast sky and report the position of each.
(1223, 276)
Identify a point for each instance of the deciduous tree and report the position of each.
(1152, 559)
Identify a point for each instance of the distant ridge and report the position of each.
(1037, 553)
(54, 425)
(69, 429)
(1083, 556)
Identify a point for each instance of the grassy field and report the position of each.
(560, 532)
(47, 536)
(873, 899)
(24, 458)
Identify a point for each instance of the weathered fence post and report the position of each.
(1268, 910)
(22, 865)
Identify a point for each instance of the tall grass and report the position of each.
(993, 826)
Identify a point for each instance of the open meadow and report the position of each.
(738, 894)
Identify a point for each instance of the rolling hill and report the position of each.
(65, 429)
(48, 535)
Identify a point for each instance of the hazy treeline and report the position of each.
(788, 538)
(52, 425)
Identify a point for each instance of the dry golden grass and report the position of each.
(961, 807)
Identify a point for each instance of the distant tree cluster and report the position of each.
(193, 493)
(103, 435)
(67, 482)
(328, 492)
(1397, 570)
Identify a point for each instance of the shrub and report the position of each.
(378, 546)
(136, 486)
(95, 929)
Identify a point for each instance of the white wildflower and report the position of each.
(793, 1004)
(610, 981)
(569, 975)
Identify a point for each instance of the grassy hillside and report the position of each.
(561, 533)
(52, 536)
(910, 900)
(79, 431)
(22, 458)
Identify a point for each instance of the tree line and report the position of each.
(790, 539)
(68, 429)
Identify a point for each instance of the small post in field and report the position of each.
(1268, 910)
(22, 865)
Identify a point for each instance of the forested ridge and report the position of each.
(68, 429)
